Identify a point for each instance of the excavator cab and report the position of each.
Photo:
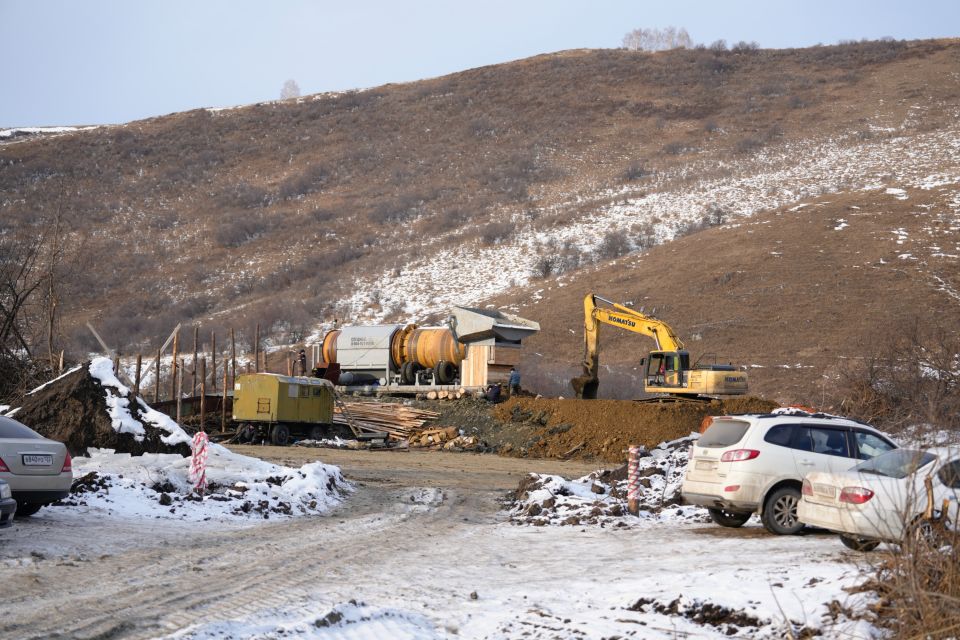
(665, 369)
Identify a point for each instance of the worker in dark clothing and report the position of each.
(514, 381)
(302, 358)
(493, 393)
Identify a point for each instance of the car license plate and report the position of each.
(824, 490)
(37, 460)
(706, 465)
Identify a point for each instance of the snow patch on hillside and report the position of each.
(668, 204)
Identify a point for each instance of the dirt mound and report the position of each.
(73, 410)
(604, 428)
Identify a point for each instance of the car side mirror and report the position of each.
(643, 361)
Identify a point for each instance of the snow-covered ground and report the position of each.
(655, 581)
(158, 486)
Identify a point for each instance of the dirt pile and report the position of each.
(73, 410)
(605, 428)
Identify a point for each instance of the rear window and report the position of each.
(898, 463)
(13, 429)
(723, 433)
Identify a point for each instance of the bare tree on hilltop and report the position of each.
(290, 90)
(657, 39)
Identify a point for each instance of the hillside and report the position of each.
(720, 177)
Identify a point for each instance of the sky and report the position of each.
(67, 62)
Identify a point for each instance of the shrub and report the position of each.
(496, 232)
(909, 377)
(234, 231)
(748, 144)
(613, 245)
(311, 180)
(635, 172)
(244, 195)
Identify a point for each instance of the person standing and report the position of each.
(514, 381)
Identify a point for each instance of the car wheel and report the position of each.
(25, 509)
(780, 512)
(280, 435)
(859, 544)
(923, 532)
(726, 518)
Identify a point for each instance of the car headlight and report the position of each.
(5, 491)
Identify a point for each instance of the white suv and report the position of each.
(756, 463)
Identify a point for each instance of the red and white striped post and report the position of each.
(633, 481)
(198, 464)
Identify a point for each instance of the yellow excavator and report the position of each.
(668, 373)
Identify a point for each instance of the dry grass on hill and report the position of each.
(271, 213)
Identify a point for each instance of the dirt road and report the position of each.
(140, 580)
(421, 534)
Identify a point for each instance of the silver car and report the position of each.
(38, 470)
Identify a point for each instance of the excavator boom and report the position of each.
(667, 342)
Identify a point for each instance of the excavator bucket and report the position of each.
(585, 387)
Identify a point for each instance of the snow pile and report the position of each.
(156, 485)
(348, 620)
(118, 405)
(601, 497)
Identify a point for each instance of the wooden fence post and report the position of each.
(179, 381)
(136, 379)
(196, 339)
(156, 383)
(256, 350)
(223, 403)
(203, 392)
(174, 368)
(213, 361)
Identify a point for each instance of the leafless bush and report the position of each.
(748, 144)
(557, 259)
(238, 229)
(918, 585)
(910, 377)
(657, 39)
(745, 47)
(311, 180)
(613, 245)
(496, 232)
(244, 195)
(635, 172)
(674, 148)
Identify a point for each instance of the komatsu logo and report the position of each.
(628, 323)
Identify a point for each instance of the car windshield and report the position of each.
(723, 433)
(12, 429)
(898, 463)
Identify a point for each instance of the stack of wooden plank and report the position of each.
(397, 420)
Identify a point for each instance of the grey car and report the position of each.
(7, 505)
(38, 470)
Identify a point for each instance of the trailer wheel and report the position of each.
(280, 435)
(445, 372)
(317, 432)
(408, 373)
(246, 433)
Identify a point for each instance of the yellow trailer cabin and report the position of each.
(269, 405)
